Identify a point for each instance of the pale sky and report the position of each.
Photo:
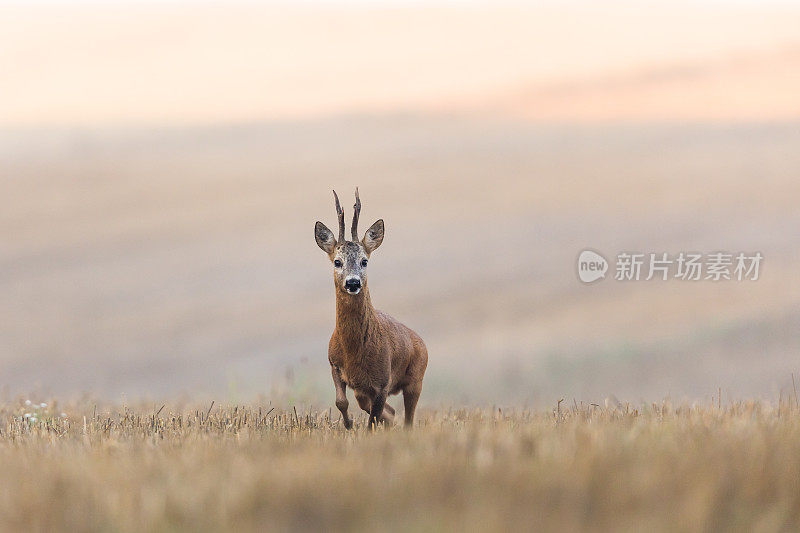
(242, 62)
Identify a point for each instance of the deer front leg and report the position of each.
(341, 396)
(378, 402)
(365, 402)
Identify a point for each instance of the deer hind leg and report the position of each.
(410, 398)
(365, 402)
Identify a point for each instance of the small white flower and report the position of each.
(27, 415)
(42, 404)
(27, 402)
(63, 415)
(33, 419)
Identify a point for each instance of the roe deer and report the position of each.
(369, 351)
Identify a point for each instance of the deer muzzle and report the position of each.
(352, 285)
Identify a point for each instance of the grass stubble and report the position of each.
(656, 467)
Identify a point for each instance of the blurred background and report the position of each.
(162, 166)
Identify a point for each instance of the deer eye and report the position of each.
(363, 263)
(337, 263)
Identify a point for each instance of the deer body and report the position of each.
(369, 351)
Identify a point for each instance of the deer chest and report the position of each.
(355, 377)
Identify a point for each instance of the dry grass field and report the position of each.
(658, 467)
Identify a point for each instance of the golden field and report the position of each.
(616, 467)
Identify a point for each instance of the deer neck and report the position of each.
(354, 318)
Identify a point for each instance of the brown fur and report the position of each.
(369, 351)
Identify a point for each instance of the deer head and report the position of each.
(349, 258)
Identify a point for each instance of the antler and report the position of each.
(356, 212)
(340, 214)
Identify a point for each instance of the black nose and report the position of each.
(352, 284)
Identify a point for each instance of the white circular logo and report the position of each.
(591, 266)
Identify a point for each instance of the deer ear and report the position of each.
(324, 237)
(373, 237)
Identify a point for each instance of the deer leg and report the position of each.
(365, 403)
(376, 413)
(410, 398)
(341, 396)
